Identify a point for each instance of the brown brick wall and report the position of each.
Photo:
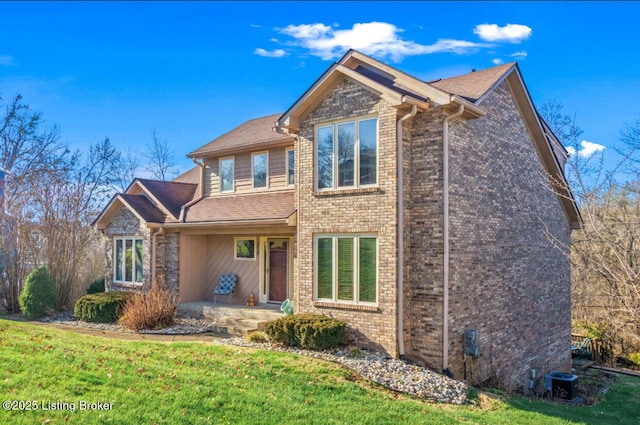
(125, 223)
(507, 279)
(356, 212)
(424, 244)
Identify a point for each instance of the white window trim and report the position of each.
(235, 248)
(356, 162)
(254, 154)
(133, 260)
(286, 161)
(233, 158)
(334, 272)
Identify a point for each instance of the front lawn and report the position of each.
(199, 383)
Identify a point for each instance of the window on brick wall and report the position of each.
(347, 154)
(127, 262)
(346, 268)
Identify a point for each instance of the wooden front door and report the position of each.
(277, 262)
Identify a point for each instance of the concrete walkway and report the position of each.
(201, 337)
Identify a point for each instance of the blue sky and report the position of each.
(194, 70)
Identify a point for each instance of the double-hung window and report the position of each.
(127, 263)
(227, 173)
(347, 154)
(346, 268)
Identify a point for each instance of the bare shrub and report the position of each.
(154, 309)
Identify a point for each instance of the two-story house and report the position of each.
(418, 212)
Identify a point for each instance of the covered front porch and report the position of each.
(260, 258)
(232, 319)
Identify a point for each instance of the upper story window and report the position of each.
(127, 263)
(260, 169)
(347, 154)
(291, 167)
(227, 171)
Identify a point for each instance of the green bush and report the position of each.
(635, 358)
(104, 307)
(96, 286)
(39, 294)
(257, 336)
(307, 331)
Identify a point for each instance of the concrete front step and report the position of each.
(232, 319)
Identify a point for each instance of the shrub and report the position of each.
(154, 309)
(39, 294)
(96, 286)
(257, 336)
(312, 331)
(635, 358)
(104, 307)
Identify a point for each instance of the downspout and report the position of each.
(181, 217)
(445, 279)
(400, 155)
(296, 188)
(153, 253)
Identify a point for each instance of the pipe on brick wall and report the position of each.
(400, 303)
(445, 237)
(153, 253)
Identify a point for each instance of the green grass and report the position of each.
(196, 383)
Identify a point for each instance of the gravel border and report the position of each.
(394, 374)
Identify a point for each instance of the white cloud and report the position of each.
(497, 61)
(278, 53)
(379, 39)
(587, 150)
(6, 60)
(513, 33)
(519, 55)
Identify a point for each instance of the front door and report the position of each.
(277, 269)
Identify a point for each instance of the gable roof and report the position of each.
(254, 134)
(141, 205)
(474, 85)
(189, 176)
(399, 89)
(170, 195)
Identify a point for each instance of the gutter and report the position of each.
(445, 279)
(183, 209)
(400, 159)
(259, 222)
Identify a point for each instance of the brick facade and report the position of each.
(508, 280)
(354, 211)
(125, 223)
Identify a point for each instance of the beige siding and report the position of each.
(193, 257)
(243, 180)
(220, 260)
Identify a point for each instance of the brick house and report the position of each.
(312, 205)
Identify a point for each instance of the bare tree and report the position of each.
(605, 254)
(127, 169)
(161, 158)
(66, 205)
(28, 151)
